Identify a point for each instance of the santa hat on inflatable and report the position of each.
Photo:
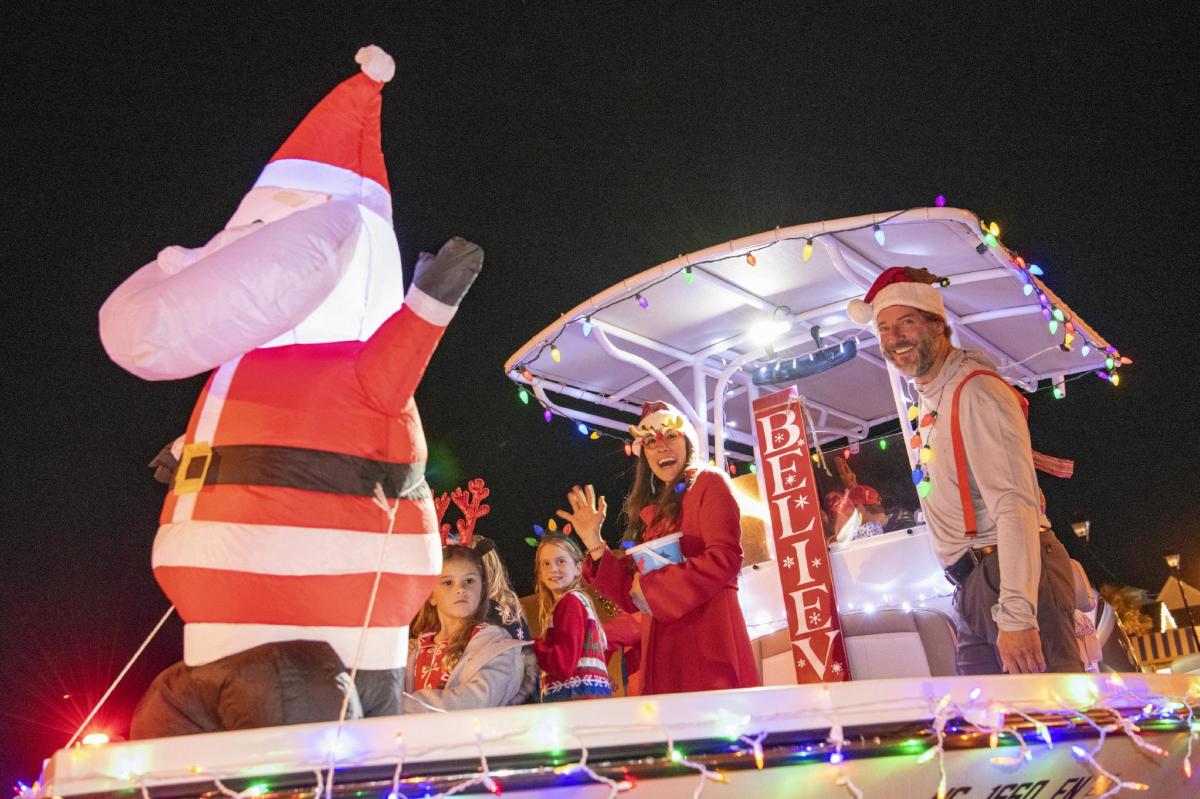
(337, 149)
(659, 417)
(899, 285)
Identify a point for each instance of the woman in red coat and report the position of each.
(693, 633)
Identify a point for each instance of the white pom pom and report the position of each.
(860, 312)
(377, 64)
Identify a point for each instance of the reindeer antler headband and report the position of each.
(470, 502)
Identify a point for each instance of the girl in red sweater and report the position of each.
(572, 647)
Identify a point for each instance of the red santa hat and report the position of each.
(659, 417)
(337, 149)
(899, 285)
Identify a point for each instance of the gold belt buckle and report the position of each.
(193, 468)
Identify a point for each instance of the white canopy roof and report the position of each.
(692, 339)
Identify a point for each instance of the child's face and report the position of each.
(557, 570)
(458, 590)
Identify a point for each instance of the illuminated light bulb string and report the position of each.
(1058, 319)
(977, 714)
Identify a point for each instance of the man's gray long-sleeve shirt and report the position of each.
(1003, 485)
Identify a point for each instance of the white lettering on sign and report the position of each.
(780, 431)
(808, 652)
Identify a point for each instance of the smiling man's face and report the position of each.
(912, 343)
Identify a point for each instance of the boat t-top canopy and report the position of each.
(694, 330)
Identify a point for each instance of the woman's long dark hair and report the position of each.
(647, 490)
(427, 618)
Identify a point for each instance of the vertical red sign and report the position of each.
(804, 574)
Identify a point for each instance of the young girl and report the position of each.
(693, 634)
(456, 660)
(571, 650)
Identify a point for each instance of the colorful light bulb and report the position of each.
(688, 275)
(582, 428)
(587, 326)
(750, 259)
(523, 395)
(990, 239)
(940, 201)
(1115, 379)
(753, 468)
(994, 229)
(880, 236)
(1085, 350)
(594, 435)
(642, 301)
(1034, 269)
(1053, 325)
(883, 443)
(924, 488)
(926, 454)
(1110, 362)
(1059, 315)
(547, 415)
(555, 353)
(1028, 289)
(807, 252)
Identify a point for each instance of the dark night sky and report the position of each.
(579, 144)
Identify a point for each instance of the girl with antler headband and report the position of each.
(693, 634)
(457, 660)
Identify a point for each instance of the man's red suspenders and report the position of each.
(960, 453)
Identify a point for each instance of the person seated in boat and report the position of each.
(571, 651)
(457, 659)
(693, 633)
(859, 513)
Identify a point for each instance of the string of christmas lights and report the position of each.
(977, 713)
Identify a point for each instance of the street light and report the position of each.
(1082, 529)
(1172, 559)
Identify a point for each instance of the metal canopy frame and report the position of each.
(843, 262)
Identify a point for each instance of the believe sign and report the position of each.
(791, 494)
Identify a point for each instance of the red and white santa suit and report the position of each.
(271, 532)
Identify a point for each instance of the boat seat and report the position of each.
(899, 643)
(881, 644)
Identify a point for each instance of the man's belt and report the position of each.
(296, 467)
(958, 571)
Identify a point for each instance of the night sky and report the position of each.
(578, 143)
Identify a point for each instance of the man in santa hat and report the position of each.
(975, 474)
(299, 537)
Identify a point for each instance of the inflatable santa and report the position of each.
(271, 543)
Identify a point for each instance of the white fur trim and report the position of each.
(376, 63)
(206, 428)
(292, 551)
(433, 311)
(300, 173)
(921, 296)
(383, 647)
